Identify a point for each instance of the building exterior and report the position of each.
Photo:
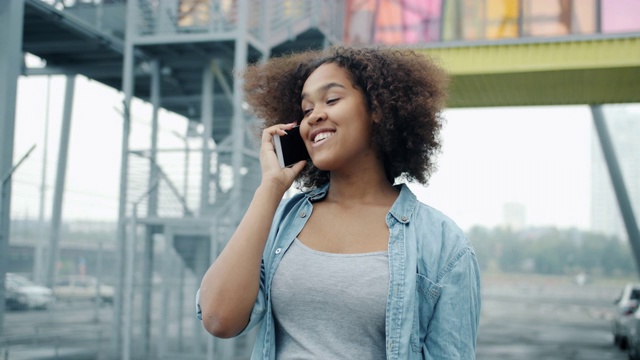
(428, 21)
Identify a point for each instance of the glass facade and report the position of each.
(424, 21)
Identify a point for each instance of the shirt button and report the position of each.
(404, 218)
(303, 214)
(278, 251)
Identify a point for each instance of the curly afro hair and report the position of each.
(405, 92)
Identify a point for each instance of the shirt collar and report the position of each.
(318, 193)
(402, 208)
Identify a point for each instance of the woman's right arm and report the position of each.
(230, 286)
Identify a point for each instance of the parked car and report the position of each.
(633, 336)
(72, 288)
(624, 308)
(23, 294)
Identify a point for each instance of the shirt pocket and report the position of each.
(427, 295)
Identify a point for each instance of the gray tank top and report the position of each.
(330, 306)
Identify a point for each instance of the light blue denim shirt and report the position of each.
(433, 305)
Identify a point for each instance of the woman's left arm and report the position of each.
(453, 328)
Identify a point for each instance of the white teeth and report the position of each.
(322, 136)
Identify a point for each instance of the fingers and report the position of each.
(279, 129)
(297, 167)
(268, 159)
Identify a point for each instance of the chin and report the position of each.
(325, 164)
(320, 164)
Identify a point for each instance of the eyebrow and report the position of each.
(324, 88)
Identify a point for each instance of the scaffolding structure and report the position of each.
(179, 55)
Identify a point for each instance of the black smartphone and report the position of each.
(290, 148)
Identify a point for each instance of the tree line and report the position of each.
(552, 251)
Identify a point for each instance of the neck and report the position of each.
(361, 186)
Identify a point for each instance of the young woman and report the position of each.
(354, 267)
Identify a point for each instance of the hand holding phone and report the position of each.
(290, 148)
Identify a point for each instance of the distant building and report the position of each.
(623, 123)
(514, 216)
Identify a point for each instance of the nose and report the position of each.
(316, 116)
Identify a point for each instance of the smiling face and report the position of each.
(336, 126)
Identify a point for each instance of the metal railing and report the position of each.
(105, 15)
(327, 16)
(222, 16)
(55, 343)
(175, 186)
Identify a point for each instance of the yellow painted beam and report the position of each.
(565, 87)
(539, 56)
(605, 70)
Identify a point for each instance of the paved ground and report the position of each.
(546, 318)
(523, 317)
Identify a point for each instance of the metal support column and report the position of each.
(207, 122)
(130, 260)
(11, 20)
(152, 211)
(61, 174)
(99, 276)
(238, 125)
(38, 258)
(128, 90)
(618, 182)
(167, 273)
(200, 265)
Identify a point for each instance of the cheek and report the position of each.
(304, 130)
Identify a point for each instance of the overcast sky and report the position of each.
(536, 156)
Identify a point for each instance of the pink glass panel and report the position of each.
(393, 21)
(422, 20)
(620, 16)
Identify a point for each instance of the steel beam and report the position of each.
(207, 122)
(61, 174)
(626, 209)
(11, 20)
(152, 210)
(125, 352)
(238, 122)
(38, 257)
(128, 82)
(167, 273)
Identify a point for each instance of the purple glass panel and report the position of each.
(620, 16)
(421, 20)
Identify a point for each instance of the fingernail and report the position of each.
(285, 132)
